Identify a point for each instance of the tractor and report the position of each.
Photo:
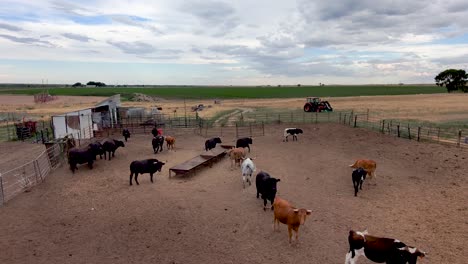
(314, 104)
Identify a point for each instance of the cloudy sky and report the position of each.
(242, 42)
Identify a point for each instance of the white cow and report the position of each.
(247, 168)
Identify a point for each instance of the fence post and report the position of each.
(2, 197)
(367, 118)
(237, 131)
(383, 126)
(398, 130)
(263, 128)
(419, 133)
(409, 132)
(340, 118)
(279, 118)
(438, 134)
(459, 137)
(355, 120)
(316, 117)
(344, 119)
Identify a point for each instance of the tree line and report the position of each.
(97, 84)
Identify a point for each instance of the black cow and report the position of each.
(150, 166)
(244, 143)
(110, 146)
(97, 147)
(266, 186)
(380, 249)
(81, 156)
(359, 175)
(157, 143)
(211, 143)
(126, 134)
(291, 132)
(155, 132)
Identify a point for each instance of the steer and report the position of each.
(266, 186)
(359, 175)
(150, 166)
(80, 156)
(369, 165)
(380, 249)
(247, 168)
(110, 146)
(126, 134)
(157, 143)
(291, 132)
(244, 143)
(289, 215)
(211, 143)
(170, 142)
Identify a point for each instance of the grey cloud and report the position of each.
(460, 60)
(196, 50)
(68, 7)
(216, 15)
(77, 37)
(123, 19)
(137, 47)
(32, 41)
(10, 27)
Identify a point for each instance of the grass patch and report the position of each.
(229, 92)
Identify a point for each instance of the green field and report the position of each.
(226, 92)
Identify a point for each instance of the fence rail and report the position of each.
(24, 177)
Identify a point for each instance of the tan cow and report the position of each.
(170, 142)
(368, 165)
(236, 155)
(287, 214)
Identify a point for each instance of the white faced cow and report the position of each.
(247, 168)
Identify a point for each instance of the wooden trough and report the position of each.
(193, 164)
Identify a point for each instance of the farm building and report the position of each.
(105, 114)
(78, 123)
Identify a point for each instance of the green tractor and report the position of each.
(314, 104)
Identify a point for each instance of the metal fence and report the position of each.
(24, 177)
(25, 127)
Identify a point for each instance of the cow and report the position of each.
(289, 215)
(110, 146)
(358, 175)
(266, 186)
(81, 156)
(155, 132)
(98, 150)
(236, 155)
(157, 143)
(170, 142)
(247, 168)
(244, 143)
(369, 165)
(211, 143)
(150, 166)
(126, 134)
(291, 132)
(380, 250)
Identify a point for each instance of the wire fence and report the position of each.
(24, 177)
(24, 127)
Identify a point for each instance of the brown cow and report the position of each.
(368, 165)
(236, 155)
(170, 142)
(287, 214)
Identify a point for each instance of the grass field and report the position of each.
(201, 92)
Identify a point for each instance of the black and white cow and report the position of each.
(110, 146)
(157, 143)
(81, 156)
(291, 132)
(380, 249)
(150, 166)
(211, 143)
(359, 175)
(126, 133)
(244, 143)
(266, 186)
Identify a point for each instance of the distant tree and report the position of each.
(78, 84)
(299, 85)
(453, 80)
(98, 84)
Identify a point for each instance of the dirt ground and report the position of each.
(94, 216)
(429, 107)
(14, 154)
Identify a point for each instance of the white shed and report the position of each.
(79, 124)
